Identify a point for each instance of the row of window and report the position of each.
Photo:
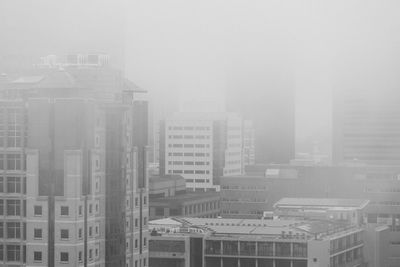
(189, 128)
(189, 145)
(180, 154)
(14, 230)
(197, 180)
(197, 163)
(64, 210)
(14, 207)
(189, 137)
(13, 185)
(64, 256)
(252, 248)
(11, 162)
(188, 172)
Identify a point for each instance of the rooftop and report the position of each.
(177, 199)
(275, 229)
(322, 203)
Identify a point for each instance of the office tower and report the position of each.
(201, 147)
(74, 179)
(249, 157)
(267, 98)
(366, 125)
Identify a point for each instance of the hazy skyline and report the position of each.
(176, 47)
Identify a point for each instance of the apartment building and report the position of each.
(73, 179)
(201, 147)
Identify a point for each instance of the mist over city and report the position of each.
(207, 133)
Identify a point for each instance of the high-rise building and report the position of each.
(366, 126)
(73, 169)
(269, 101)
(202, 147)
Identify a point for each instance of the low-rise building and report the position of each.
(217, 242)
(168, 197)
(250, 195)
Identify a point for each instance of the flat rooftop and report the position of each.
(272, 229)
(186, 197)
(330, 203)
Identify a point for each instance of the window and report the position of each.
(144, 220)
(90, 254)
(136, 243)
(144, 200)
(37, 256)
(1, 183)
(80, 233)
(37, 233)
(13, 185)
(137, 221)
(2, 161)
(1, 206)
(13, 207)
(1, 253)
(64, 233)
(13, 253)
(90, 231)
(144, 241)
(13, 162)
(80, 210)
(64, 210)
(80, 256)
(1, 229)
(144, 262)
(136, 202)
(64, 256)
(90, 208)
(37, 210)
(97, 230)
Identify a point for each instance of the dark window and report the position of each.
(64, 234)
(1, 206)
(64, 256)
(1, 184)
(13, 162)
(13, 185)
(64, 211)
(13, 230)
(13, 207)
(37, 210)
(283, 249)
(158, 212)
(37, 256)
(13, 253)
(37, 233)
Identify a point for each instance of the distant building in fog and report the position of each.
(249, 153)
(249, 195)
(74, 163)
(269, 102)
(168, 197)
(202, 147)
(366, 126)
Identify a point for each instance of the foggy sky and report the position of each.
(178, 49)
